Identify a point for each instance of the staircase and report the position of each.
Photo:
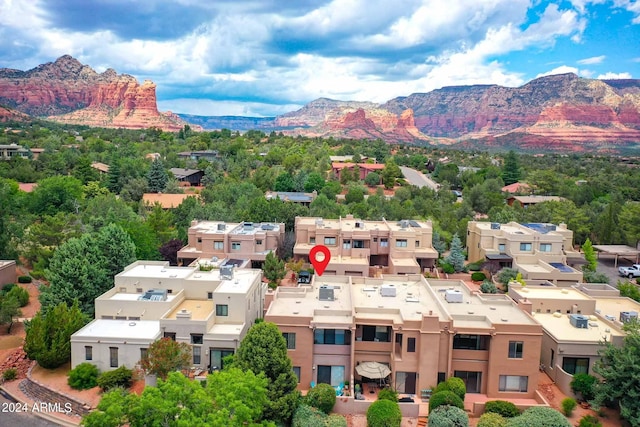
(422, 422)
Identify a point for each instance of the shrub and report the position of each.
(20, 294)
(388, 394)
(336, 420)
(589, 421)
(478, 276)
(539, 416)
(491, 419)
(10, 374)
(448, 416)
(502, 407)
(506, 275)
(448, 268)
(121, 377)
(323, 397)
(568, 405)
(445, 397)
(306, 416)
(83, 376)
(453, 384)
(37, 274)
(384, 413)
(475, 266)
(24, 279)
(6, 288)
(584, 385)
(488, 287)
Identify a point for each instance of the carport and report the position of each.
(618, 251)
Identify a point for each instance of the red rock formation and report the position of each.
(69, 92)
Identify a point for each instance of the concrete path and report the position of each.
(418, 179)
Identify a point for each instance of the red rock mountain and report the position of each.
(67, 91)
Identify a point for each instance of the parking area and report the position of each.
(606, 265)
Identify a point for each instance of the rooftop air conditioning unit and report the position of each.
(325, 293)
(579, 321)
(221, 227)
(453, 295)
(388, 290)
(495, 226)
(226, 272)
(627, 316)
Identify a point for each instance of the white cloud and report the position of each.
(592, 60)
(613, 76)
(207, 107)
(563, 69)
(632, 6)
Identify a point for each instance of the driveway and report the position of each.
(11, 417)
(418, 179)
(607, 267)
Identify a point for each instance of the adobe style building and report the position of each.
(364, 169)
(576, 322)
(539, 251)
(210, 310)
(243, 241)
(367, 248)
(423, 330)
(7, 272)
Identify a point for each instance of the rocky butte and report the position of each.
(67, 91)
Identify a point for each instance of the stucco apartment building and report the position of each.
(424, 331)
(359, 247)
(576, 322)
(539, 251)
(210, 310)
(218, 239)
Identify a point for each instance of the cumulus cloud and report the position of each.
(614, 76)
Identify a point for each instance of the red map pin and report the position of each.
(319, 262)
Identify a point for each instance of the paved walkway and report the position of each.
(418, 179)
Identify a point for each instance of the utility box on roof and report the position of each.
(579, 321)
(388, 291)
(453, 295)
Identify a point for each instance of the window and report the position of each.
(134, 317)
(197, 351)
(144, 352)
(113, 357)
(209, 295)
(384, 243)
(515, 349)
(290, 338)
(329, 240)
(235, 246)
(417, 243)
(88, 352)
(312, 240)
(170, 335)
(411, 345)
(296, 370)
(526, 247)
(218, 245)
(222, 310)
(346, 244)
(472, 380)
(471, 342)
(332, 336)
(545, 247)
(217, 358)
(376, 333)
(552, 359)
(502, 248)
(406, 382)
(358, 244)
(333, 375)
(513, 383)
(258, 241)
(196, 338)
(401, 243)
(575, 365)
(199, 239)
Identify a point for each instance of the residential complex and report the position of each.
(236, 241)
(368, 248)
(211, 310)
(423, 331)
(13, 150)
(539, 251)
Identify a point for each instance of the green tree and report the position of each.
(264, 349)
(157, 177)
(314, 182)
(619, 367)
(629, 222)
(274, 269)
(48, 339)
(322, 396)
(113, 178)
(390, 172)
(589, 256)
(511, 172)
(456, 254)
(372, 179)
(9, 310)
(83, 170)
(384, 413)
(629, 290)
(166, 355)
(284, 182)
(584, 385)
(56, 194)
(355, 194)
(438, 244)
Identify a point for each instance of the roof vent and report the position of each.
(132, 323)
(412, 299)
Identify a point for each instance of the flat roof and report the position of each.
(551, 292)
(617, 249)
(199, 309)
(612, 306)
(157, 271)
(303, 300)
(479, 310)
(122, 296)
(233, 330)
(242, 281)
(222, 227)
(561, 329)
(120, 329)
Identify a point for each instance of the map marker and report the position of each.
(319, 262)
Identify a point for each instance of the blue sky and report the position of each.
(268, 57)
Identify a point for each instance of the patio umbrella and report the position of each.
(373, 370)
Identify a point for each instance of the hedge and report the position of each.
(24, 279)
(121, 377)
(539, 416)
(445, 397)
(502, 407)
(83, 376)
(453, 384)
(448, 416)
(322, 396)
(478, 276)
(491, 419)
(384, 413)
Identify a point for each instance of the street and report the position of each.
(418, 179)
(9, 415)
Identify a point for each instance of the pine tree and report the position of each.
(157, 177)
(511, 172)
(113, 178)
(274, 269)
(456, 254)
